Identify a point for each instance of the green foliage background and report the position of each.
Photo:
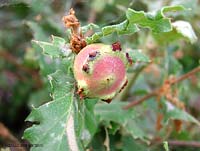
(36, 67)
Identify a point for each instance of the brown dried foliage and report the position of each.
(172, 97)
(77, 41)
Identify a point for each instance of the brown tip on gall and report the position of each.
(129, 59)
(85, 68)
(116, 46)
(80, 93)
(107, 101)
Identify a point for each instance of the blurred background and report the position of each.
(24, 84)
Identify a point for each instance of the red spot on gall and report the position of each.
(86, 68)
(116, 46)
(129, 59)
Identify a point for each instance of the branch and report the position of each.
(184, 143)
(134, 103)
(156, 92)
(187, 75)
(13, 60)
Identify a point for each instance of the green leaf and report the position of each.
(137, 56)
(90, 26)
(148, 21)
(57, 48)
(181, 30)
(157, 21)
(56, 130)
(53, 117)
(61, 84)
(167, 9)
(134, 129)
(65, 123)
(130, 144)
(90, 122)
(96, 36)
(178, 114)
(125, 118)
(121, 28)
(114, 112)
(47, 64)
(57, 41)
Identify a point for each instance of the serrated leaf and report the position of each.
(178, 114)
(181, 30)
(148, 21)
(157, 22)
(114, 112)
(64, 123)
(166, 9)
(122, 28)
(137, 56)
(56, 130)
(57, 48)
(49, 48)
(57, 41)
(47, 65)
(90, 26)
(50, 132)
(96, 36)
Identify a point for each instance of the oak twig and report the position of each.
(134, 103)
(156, 92)
(184, 143)
(187, 75)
